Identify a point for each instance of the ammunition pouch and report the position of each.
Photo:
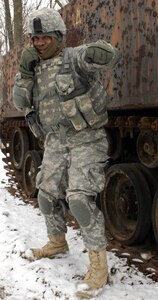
(88, 109)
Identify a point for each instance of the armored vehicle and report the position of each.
(130, 198)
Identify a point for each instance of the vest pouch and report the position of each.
(64, 84)
(85, 106)
(71, 112)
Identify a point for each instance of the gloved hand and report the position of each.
(29, 60)
(31, 119)
(100, 53)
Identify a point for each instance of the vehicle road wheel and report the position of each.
(155, 216)
(19, 146)
(151, 176)
(147, 148)
(126, 204)
(31, 165)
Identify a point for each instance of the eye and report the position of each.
(48, 38)
(35, 38)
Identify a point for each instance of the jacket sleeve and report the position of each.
(80, 57)
(22, 92)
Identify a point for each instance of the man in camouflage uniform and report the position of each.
(58, 90)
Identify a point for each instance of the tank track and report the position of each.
(15, 183)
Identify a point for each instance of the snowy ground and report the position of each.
(22, 227)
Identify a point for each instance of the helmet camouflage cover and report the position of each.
(45, 21)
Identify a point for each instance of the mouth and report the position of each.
(41, 51)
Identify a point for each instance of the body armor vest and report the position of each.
(62, 95)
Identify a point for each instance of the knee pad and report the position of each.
(50, 205)
(79, 207)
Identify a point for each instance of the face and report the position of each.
(42, 42)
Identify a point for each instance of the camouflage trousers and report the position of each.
(73, 170)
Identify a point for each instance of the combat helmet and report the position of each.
(45, 21)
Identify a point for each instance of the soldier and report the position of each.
(57, 89)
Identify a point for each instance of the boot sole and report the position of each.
(60, 255)
(89, 294)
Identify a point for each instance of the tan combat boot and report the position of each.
(96, 276)
(56, 245)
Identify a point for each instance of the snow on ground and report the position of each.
(22, 227)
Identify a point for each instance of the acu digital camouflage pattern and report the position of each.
(51, 21)
(73, 168)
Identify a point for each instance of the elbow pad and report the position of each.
(22, 93)
(19, 98)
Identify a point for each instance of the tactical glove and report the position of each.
(29, 60)
(31, 119)
(101, 53)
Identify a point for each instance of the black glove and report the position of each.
(29, 60)
(31, 119)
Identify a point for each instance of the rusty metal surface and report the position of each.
(9, 70)
(132, 26)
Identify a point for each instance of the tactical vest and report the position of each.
(64, 95)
